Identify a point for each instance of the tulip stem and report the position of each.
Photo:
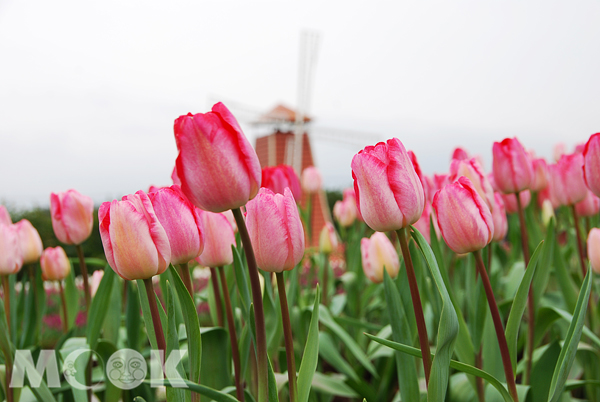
(259, 315)
(479, 380)
(325, 277)
(498, 326)
(579, 241)
(158, 330)
(239, 389)
(184, 272)
(6, 289)
(84, 274)
(217, 292)
(63, 301)
(289, 342)
(416, 299)
(530, 296)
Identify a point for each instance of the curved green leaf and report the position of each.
(329, 352)
(217, 396)
(98, 309)
(310, 357)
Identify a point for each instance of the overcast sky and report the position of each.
(89, 90)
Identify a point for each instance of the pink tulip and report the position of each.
(472, 170)
(135, 243)
(388, 191)
(175, 176)
(30, 241)
(413, 159)
(439, 181)
(11, 257)
(277, 178)
(229, 215)
(513, 171)
(464, 218)
(153, 189)
(311, 180)
(275, 230)
(72, 216)
(548, 194)
(499, 218)
(4, 216)
(559, 150)
(590, 205)
(181, 223)
(579, 148)
(423, 224)
(328, 240)
(510, 201)
(95, 280)
(540, 175)
(219, 238)
(593, 247)
(567, 179)
(459, 154)
(55, 264)
(344, 212)
(216, 164)
(379, 253)
(350, 197)
(591, 165)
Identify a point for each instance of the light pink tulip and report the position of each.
(72, 216)
(311, 180)
(30, 241)
(423, 224)
(275, 230)
(4, 216)
(389, 193)
(135, 243)
(591, 165)
(344, 211)
(590, 205)
(229, 215)
(593, 247)
(464, 218)
(219, 238)
(567, 179)
(499, 218)
(510, 201)
(472, 170)
(379, 253)
(512, 167)
(11, 257)
(328, 240)
(95, 280)
(277, 178)
(217, 166)
(180, 220)
(540, 175)
(350, 197)
(55, 264)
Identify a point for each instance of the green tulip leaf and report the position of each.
(310, 357)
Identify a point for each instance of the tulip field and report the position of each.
(461, 286)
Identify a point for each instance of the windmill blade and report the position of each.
(352, 138)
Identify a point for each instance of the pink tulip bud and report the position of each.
(4, 216)
(590, 205)
(591, 165)
(135, 243)
(513, 171)
(328, 240)
(510, 201)
(275, 230)
(593, 247)
(499, 218)
(30, 241)
(311, 180)
(344, 212)
(389, 193)
(277, 178)
(459, 154)
(350, 197)
(219, 238)
(11, 257)
(540, 175)
(379, 253)
(472, 170)
(72, 216)
(216, 164)
(55, 264)
(567, 179)
(181, 222)
(95, 280)
(465, 220)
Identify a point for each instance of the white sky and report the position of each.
(89, 90)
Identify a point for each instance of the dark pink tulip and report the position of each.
(4, 216)
(275, 230)
(55, 264)
(591, 163)
(175, 177)
(499, 218)
(459, 154)
(510, 201)
(216, 164)
(567, 179)
(311, 180)
(30, 241)
(540, 175)
(464, 218)
(471, 169)
(11, 257)
(181, 222)
(388, 191)
(378, 253)
(513, 171)
(277, 178)
(590, 205)
(135, 243)
(219, 238)
(72, 216)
